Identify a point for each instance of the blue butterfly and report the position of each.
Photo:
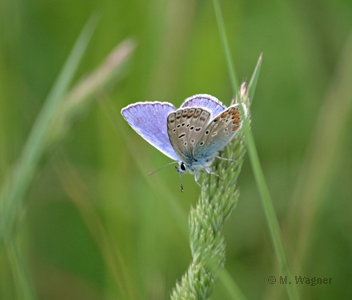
(191, 135)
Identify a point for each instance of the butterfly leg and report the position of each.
(196, 177)
(228, 159)
(212, 173)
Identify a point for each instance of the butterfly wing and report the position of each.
(185, 126)
(218, 133)
(206, 101)
(149, 120)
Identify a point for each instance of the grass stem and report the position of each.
(13, 194)
(257, 170)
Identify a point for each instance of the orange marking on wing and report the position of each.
(189, 115)
(235, 116)
(196, 115)
(217, 119)
(235, 128)
(224, 115)
(236, 121)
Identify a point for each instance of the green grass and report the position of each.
(59, 109)
(257, 169)
(88, 223)
(13, 195)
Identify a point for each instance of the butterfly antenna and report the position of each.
(151, 173)
(181, 183)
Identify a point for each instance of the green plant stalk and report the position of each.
(14, 192)
(22, 280)
(217, 201)
(258, 172)
(231, 286)
(316, 178)
(225, 45)
(83, 94)
(76, 189)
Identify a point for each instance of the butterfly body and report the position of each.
(191, 135)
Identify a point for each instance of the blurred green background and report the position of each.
(94, 226)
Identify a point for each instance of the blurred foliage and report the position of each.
(96, 227)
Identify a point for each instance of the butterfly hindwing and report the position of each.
(149, 120)
(218, 133)
(185, 126)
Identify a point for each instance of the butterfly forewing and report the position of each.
(218, 133)
(149, 120)
(185, 126)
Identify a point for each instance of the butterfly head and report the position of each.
(181, 168)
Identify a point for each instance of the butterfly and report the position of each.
(192, 135)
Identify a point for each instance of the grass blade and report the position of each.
(226, 48)
(316, 177)
(13, 193)
(257, 170)
(24, 288)
(253, 82)
(83, 94)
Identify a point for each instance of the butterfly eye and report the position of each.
(183, 168)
